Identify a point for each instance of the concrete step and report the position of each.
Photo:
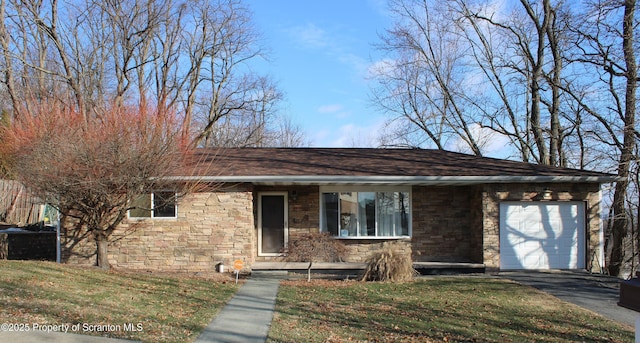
(422, 267)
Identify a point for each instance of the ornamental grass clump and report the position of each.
(390, 264)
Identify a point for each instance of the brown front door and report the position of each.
(272, 230)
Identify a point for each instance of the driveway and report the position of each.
(595, 292)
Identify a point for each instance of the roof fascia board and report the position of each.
(413, 180)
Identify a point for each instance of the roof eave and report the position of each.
(394, 180)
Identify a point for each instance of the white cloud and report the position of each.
(379, 6)
(350, 136)
(359, 64)
(310, 36)
(332, 42)
(319, 137)
(491, 143)
(336, 110)
(498, 10)
(380, 68)
(333, 108)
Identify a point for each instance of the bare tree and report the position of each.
(52, 32)
(94, 173)
(488, 50)
(219, 84)
(460, 65)
(130, 27)
(287, 135)
(251, 123)
(190, 55)
(630, 75)
(422, 84)
(605, 39)
(520, 44)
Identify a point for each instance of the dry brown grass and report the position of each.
(389, 264)
(167, 307)
(434, 309)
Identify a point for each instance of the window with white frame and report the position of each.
(154, 205)
(365, 212)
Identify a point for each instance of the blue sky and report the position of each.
(320, 53)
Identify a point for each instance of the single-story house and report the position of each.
(443, 206)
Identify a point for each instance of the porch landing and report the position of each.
(425, 268)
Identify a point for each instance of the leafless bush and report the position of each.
(315, 247)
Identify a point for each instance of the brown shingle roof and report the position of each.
(370, 164)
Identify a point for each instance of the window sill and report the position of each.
(372, 237)
(271, 254)
(149, 218)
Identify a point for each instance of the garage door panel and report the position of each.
(515, 239)
(531, 246)
(534, 260)
(532, 229)
(545, 235)
(561, 259)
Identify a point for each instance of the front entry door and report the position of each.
(272, 223)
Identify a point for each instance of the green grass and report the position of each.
(469, 309)
(168, 308)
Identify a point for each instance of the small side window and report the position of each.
(164, 205)
(142, 207)
(154, 205)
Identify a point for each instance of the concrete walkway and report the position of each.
(247, 317)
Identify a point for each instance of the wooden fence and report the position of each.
(17, 205)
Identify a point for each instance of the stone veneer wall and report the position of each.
(493, 194)
(77, 244)
(212, 226)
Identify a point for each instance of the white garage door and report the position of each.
(544, 235)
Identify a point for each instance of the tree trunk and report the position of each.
(555, 143)
(537, 65)
(309, 272)
(102, 244)
(619, 227)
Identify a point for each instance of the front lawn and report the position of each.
(138, 306)
(463, 309)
